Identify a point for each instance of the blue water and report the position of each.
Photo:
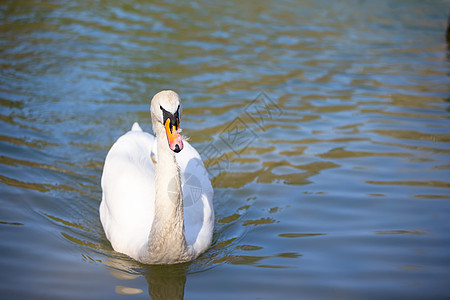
(324, 127)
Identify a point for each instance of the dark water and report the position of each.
(324, 125)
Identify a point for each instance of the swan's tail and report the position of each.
(136, 127)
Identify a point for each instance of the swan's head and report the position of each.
(166, 109)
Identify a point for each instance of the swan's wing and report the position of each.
(126, 211)
(198, 197)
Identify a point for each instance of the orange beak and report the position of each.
(173, 135)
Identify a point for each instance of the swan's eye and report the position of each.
(177, 113)
(165, 113)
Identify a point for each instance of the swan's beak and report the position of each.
(173, 135)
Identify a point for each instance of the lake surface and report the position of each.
(325, 127)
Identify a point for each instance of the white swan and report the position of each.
(157, 198)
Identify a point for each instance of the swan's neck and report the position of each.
(167, 241)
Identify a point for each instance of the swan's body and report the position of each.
(157, 204)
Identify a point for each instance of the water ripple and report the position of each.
(324, 127)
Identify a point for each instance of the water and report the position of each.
(325, 127)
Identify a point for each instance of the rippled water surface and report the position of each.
(324, 126)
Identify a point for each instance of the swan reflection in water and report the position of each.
(164, 281)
